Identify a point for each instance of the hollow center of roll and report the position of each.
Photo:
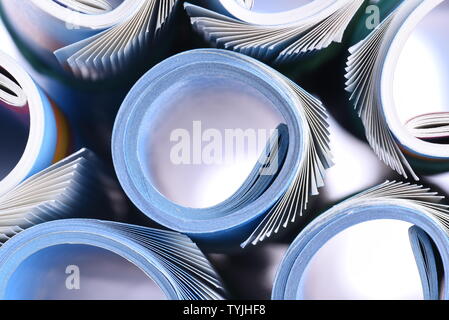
(270, 6)
(207, 138)
(421, 78)
(371, 260)
(75, 272)
(14, 131)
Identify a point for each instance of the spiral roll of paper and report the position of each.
(394, 92)
(429, 236)
(170, 259)
(34, 133)
(266, 201)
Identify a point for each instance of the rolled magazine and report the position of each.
(407, 202)
(39, 181)
(291, 166)
(33, 264)
(279, 32)
(33, 131)
(396, 77)
(92, 40)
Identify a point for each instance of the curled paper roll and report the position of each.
(429, 236)
(34, 133)
(170, 259)
(394, 91)
(277, 31)
(267, 201)
(92, 40)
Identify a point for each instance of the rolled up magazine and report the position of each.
(397, 78)
(55, 260)
(273, 31)
(429, 235)
(289, 168)
(92, 40)
(34, 133)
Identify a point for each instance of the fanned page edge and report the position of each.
(309, 176)
(43, 210)
(405, 194)
(336, 25)
(364, 66)
(93, 58)
(279, 40)
(192, 272)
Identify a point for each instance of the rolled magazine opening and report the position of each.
(421, 78)
(143, 111)
(398, 201)
(79, 272)
(74, 258)
(206, 139)
(413, 81)
(388, 74)
(368, 261)
(32, 133)
(14, 127)
(215, 79)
